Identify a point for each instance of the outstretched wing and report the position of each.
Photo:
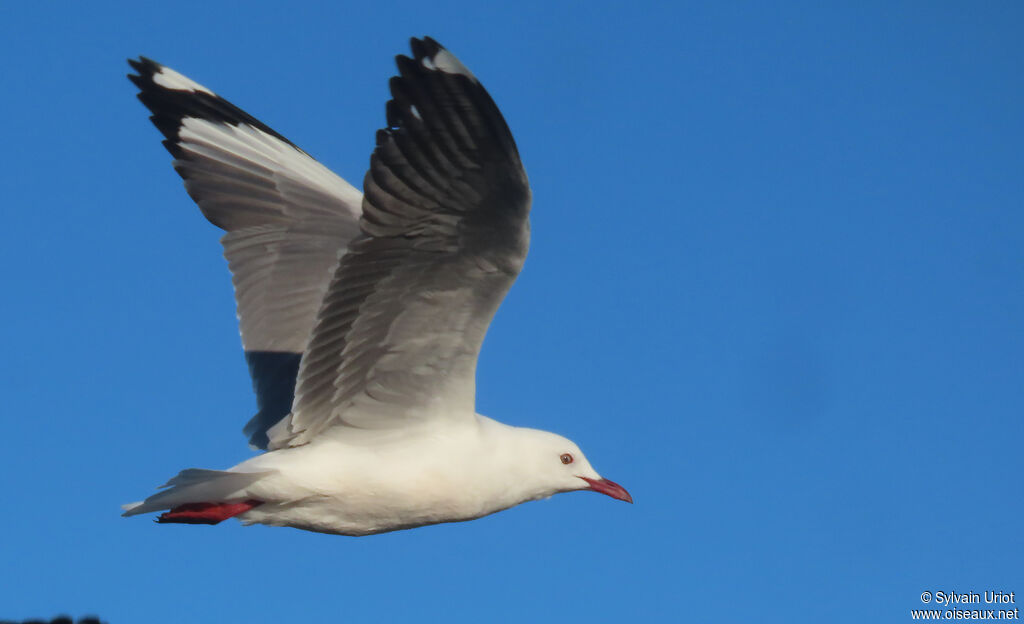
(445, 231)
(287, 217)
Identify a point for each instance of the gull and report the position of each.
(362, 314)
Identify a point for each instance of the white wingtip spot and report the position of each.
(170, 79)
(446, 62)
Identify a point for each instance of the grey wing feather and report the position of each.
(287, 220)
(445, 231)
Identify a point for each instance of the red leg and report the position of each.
(206, 513)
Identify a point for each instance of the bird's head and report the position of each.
(558, 465)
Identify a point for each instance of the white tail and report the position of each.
(196, 485)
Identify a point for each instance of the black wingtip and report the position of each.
(145, 69)
(137, 67)
(436, 100)
(432, 44)
(144, 66)
(427, 47)
(170, 104)
(416, 45)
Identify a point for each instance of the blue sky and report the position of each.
(775, 289)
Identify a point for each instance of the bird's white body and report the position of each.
(365, 481)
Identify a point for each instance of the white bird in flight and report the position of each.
(362, 315)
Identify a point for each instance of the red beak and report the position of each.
(610, 488)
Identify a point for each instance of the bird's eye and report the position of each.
(566, 458)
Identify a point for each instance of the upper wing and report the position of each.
(445, 231)
(287, 218)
